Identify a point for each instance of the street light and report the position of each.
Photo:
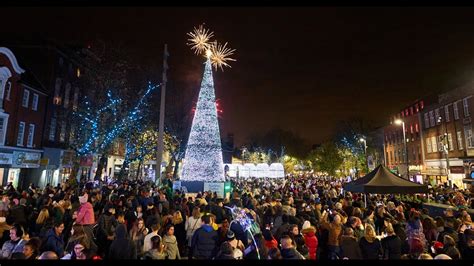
(401, 122)
(365, 153)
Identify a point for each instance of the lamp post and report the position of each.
(401, 122)
(446, 148)
(363, 140)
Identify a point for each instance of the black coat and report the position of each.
(204, 242)
(392, 247)
(122, 247)
(350, 248)
(370, 251)
(291, 254)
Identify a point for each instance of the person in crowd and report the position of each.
(310, 239)
(16, 242)
(274, 254)
(31, 250)
(294, 232)
(350, 246)
(147, 243)
(369, 244)
(54, 240)
(157, 250)
(288, 249)
(122, 247)
(335, 230)
(204, 241)
(138, 234)
(171, 243)
(226, 252)
(391, 244)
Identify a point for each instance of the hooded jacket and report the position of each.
(171, 245)
(392, 247)
(204, 242)
(311, 241)
(54, 243)
(122, 247)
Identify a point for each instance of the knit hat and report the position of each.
(306, 225)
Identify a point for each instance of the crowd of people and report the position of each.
(298, 217)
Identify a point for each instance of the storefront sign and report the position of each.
(26, 159)
(44, 161)
(434, 172)
(215, 187)
(6, 158)
(457, 169)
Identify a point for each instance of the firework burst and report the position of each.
(221, 55)
(199, 40)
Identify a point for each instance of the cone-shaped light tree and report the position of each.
(203, 157)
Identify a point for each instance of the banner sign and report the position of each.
(215, 187)
(26, 159)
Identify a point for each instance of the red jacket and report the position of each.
(271, 244)
(311, 241)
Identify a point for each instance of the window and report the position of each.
(2, 131)
(8, 90)
(35, 102)
(57, 92)
(427, 121)
(78, 72)
(428, 145)
(446, 113)
(419, 153)
(417, 108)
(459, 136)
(422, 105)
(26, 98)
(416, 128)
(455, 108)
(21, 133)
(31, 135)
(432, 119)
(411, 110)
(469, 140)
(440, 143)
(465, 104)
(438, 121)
(450, 142)
(52, 129)
(66, 95)
(76, 96)
(72, 132)
(62, 134)
(434, 144)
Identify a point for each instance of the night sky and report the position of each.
(300, 69)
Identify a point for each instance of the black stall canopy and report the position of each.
(382, 181)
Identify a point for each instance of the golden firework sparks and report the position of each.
(221, 55)
(200, 38)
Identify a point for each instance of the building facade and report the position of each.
(448, 139)
(22, 111)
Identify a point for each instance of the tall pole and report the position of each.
(406, 150)
(159, 154)
(446, 150)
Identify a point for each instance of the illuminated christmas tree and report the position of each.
(203, 157)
